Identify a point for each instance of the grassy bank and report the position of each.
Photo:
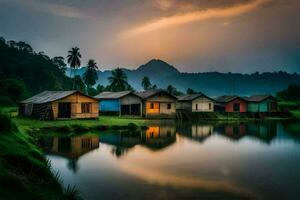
(24, 171)
(70, 127)
(292, 107)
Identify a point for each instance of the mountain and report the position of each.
(158, 67)
(212, 83)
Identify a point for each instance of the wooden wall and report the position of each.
(160, 105)
(76, 100)
(202, 104)
(229, 105)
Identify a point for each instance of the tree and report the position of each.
(118, 81)
(79, 84)
(154, 87)
(90, 76)
(59, 61)
(190, 91)
(74, 61)
(100, 88)
(12, 90)
(172, 90)
(146, 84)
(292, 93)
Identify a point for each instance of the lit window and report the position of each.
(86, 107)
(151, 105)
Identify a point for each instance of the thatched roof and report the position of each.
(50, 96)
(259, 98)
(191, 97)
(149, 93)
(113, 95)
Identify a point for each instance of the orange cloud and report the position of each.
(195, 16)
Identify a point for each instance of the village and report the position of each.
(155, 103)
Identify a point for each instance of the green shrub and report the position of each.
(6, 101)
(6, 124)
(132, 126)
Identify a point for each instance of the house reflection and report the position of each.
(264, 131)
(159, 137)
(196, 132)
(122, 141)
(154, 138)
(70, 147)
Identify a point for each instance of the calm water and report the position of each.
(171, 161)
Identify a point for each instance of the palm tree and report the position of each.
(74, 60)
(90, 76)
(118, 80)
(146, 84)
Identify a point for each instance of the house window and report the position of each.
(209, 106)
(196, 106)
(169, 106)
(86, 107)
(236, 107)
(151, 105)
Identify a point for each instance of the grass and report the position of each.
(295, 113)
(108, 121)
(24, 171)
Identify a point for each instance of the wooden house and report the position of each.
(231, 104)
(60, 105)
(262, 103)
(122, 103)
(158, 103)
(195, 103)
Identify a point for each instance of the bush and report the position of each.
(132, 126)
(6, 125)
(6, 101)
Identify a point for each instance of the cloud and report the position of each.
(51, 8)
(163, 4)
(194, 16)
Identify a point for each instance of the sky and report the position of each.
(193, 35)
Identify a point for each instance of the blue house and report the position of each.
(122, 103)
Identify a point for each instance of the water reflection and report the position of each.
(180, 161)
(263, 131)
(155, 138)
(159, 137)
(70, 147)
(196, 132)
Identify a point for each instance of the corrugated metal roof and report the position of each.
(149, 93)
(191, 97)
(112, 95)
(49, 96)
(227, 98)
(259, 98)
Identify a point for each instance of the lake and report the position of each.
(255, 160)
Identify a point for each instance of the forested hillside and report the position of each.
(22, 70)
(212, 83)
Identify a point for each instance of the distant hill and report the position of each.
(212, 83)
(36, 70)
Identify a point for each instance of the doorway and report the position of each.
(236, 107)
(64, 110)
